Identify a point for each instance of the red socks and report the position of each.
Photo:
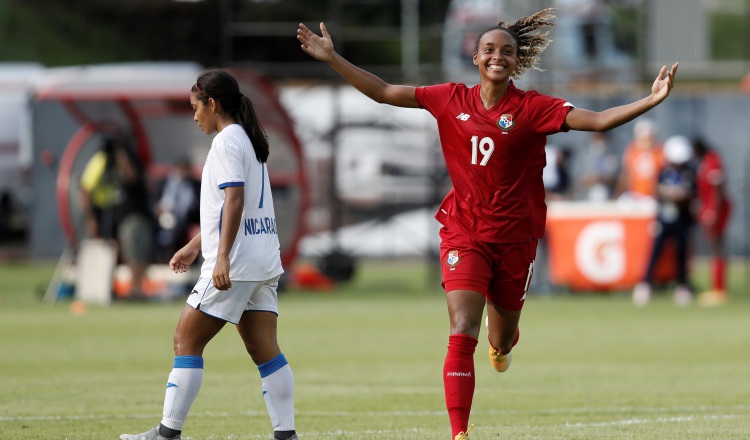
(458, 380)
(720, 266)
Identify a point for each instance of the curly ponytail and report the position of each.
(530, 42)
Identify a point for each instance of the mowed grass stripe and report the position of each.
(368, 364)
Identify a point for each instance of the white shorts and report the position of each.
(229, 305)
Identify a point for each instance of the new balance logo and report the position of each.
(463, 116)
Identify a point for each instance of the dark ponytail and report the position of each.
(222, 87)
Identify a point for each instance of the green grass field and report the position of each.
(368, 358)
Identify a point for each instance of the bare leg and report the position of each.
(258, 332)
(502, 328)
(465, 309)
(194, 330)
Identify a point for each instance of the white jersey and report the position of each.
(255, 255)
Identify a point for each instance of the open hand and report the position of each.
(320, 48)
(663, 83)
(182, 259)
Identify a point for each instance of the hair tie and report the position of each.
(199, 89)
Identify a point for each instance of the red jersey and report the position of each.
(711, 175)
(495, 159)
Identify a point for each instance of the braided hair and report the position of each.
(530, 42)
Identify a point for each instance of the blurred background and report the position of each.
(354, 182)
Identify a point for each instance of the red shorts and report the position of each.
(717, 228)
(499, 271)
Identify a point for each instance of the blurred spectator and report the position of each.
(557, 186)
(675, 194)
(713, 213)
(177, 208)
(599, 169)
(556, 174)
(641, 162)
(116, 205)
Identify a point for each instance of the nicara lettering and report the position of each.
(260, 225)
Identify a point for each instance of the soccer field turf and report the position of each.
(368, 359)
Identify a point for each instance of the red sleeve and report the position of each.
(435, 98)
(549, 113)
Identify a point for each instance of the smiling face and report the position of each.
(496, 55)
(204, 115)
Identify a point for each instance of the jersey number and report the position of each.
(486, 146)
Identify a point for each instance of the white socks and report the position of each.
(187, 376)
(182, 389)
(278, 392)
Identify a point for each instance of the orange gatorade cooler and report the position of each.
(604, 245)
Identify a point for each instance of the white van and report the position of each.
(15, 156)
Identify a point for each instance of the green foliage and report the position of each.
(58, 35)
(101, 31)
(626, 30)
(730, 38)
(367, 361)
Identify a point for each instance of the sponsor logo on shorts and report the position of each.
(453, 258)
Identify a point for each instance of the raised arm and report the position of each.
(321, 48)
(586, 120)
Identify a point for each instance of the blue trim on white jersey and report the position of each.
(221, 218)
(262, 184)
(228, 184)
(188, 362)
(272, 366)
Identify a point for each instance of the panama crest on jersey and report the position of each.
(453, 258)
(506, 122)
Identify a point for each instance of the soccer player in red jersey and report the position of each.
(713, 215)
(493, 137)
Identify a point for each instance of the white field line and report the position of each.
(658, 420)
(355, 433)
(426, 413)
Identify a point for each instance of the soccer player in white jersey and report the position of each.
(493, 137)
(242, 263)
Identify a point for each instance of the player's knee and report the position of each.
(465, 327)
(262, 352)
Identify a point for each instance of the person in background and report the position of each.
(641, 162)
(116, 205)
(714, 209)
(558, 187)
(675, 195)
(242, 262)
(556, 173)
(177, 207)
(599, 169)
(493, 137)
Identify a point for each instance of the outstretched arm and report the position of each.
(586, 120)
(321, 48)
